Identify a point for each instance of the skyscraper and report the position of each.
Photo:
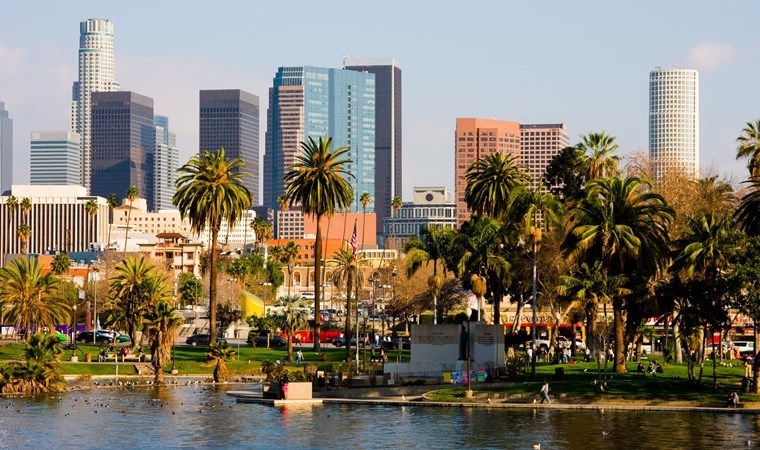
(165, 164)
(674, 120)
(96, 74)
(55, 158)
(308, 101)
(123, 142)
(229, 119)
(6, 150)
(539, 143)
(476, 139)
(388, 123)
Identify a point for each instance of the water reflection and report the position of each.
(204, 417)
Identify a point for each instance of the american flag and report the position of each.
(354, 247)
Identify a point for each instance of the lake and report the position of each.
(205, 417)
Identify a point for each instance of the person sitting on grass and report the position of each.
(640, 367)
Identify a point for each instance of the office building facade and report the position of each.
(6, 150)
(123, 143)
(539, 143)
(432, 206)
(96, 74)
(388, 128)
(229, 119)
(311, 102)
(55, 158)
(674, 120)
(165, 164)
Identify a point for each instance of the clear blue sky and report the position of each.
(584, 63)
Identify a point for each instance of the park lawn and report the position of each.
(578, 383)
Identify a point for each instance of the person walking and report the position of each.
(299, 357)
(545, 393)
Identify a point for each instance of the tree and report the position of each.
(133, 288)
(745, 275)
(210, 189)
(344, 274)
(162, 323)
(263, 232)
(291, 318)
(598, 149)
(365, 200)
(61, 264)
(131, 195)
(26, 207)
(29, 298)
(39, 373)
(395, 206)
(91, 208)
(749, 147)
(624, 225)
(566, 174)
(431, 246)
(317, 182)
(748, 214)
(289, 256)
(218, 352)
(264, 325)
(490, 181)
(190, 289)
(24, 233)
(112, 201)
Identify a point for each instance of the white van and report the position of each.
(745, 347)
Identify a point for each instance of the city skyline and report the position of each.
(593, 79)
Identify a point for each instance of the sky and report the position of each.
(584, 63)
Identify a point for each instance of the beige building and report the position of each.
(539, 143)
(175, 252)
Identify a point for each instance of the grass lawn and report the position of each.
(578, 383)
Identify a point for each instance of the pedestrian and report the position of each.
(299, 357)
(747, 369)
(545, 393)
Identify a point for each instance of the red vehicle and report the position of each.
(307, 336)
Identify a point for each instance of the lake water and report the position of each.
(205, 417)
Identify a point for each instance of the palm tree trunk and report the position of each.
(126, 231)
(592, 311)
(518, 315)
(619, 324)
(317, 284)
(212, 285)
(347, 332)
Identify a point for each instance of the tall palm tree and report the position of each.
(91, 208)
(26, 207)
(705, 246)
(132, 290)
(219, 352)
(291, 318)
(318, 182)
(210, 189)
(24, 233)
(112, 201)
(365, 200)
(749, 147)
(600, 160)
(345, 274)
(622, 223)
(747, 214)
(28, 297)
(162, 323)
(263, 232)
(131, 196)
(431, 246)
(490, 180)
(289, 256)
(282, 202)
(395, 206)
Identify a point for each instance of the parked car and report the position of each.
(580, 345)
(101, 337)
(201, 339)
(563, 342)
(746, 348)
(261, 341)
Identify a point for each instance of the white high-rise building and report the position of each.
(96, 74)
(6, 150)
(674, 120)
(55, 158)
(165, 164)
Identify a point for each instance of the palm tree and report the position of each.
(218, 352)
(39, 373)
(209, 190)
(131, 196)
(317, 182)
(344, 274)
(263, 232)
(162, 323)
(26, 207)
(749, 147)
(748, 213)
(91, 208)
(705, 246)
(28, 297)
(624, 225)
(395, 206)
(61, 264)
(430, 246)
(490, 181)
(132, 289)
(598, 149)
(112, 201)
(282, 202)
(291, 318)
(24, 233)
(289, 256)
(365, 200)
